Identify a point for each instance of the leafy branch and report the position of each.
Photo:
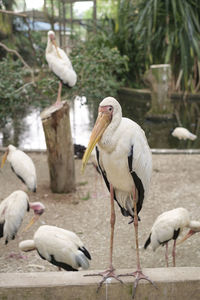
(21, 59)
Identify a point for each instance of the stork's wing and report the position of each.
(13, 218)
(138, 183)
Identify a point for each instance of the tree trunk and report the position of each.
(60, 151)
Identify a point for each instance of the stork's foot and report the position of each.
(109, 273)
(138, 276)
(57, 103)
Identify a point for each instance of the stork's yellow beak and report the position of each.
(4, 158)
(54, 43)
(189, 234)
(103, 120)
(32, 221)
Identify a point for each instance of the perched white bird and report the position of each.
(60, 64)
(12, 211)
(125, 161)
(168, 226)
(22, 165)
(183, 134)
(62, 248)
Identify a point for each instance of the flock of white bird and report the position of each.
(60, 247)
(124, 160)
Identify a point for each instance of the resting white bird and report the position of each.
(168, 226)
(125, 161)
(22, 165)
(183, 134)
(62, 248)
(60, 64)
(12, 211)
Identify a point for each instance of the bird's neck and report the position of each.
(49, 47)
(110, 136)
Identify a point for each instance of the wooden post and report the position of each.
(60, 151)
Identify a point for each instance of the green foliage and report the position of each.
(100, 68)
(170, 32)
(12, 93)
(106, 8)
(119, 32)
(17, 93)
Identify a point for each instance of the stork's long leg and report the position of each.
(166, 255)
(174, 254)
(110, 271)
(58, 101)
(138, 274)
(112, 224)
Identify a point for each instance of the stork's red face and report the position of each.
(38, 209)
(103, 120)
(52, 37)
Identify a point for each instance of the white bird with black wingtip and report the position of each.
(168, 226)
(22, 165)
(12, 211)
(125, 161)
(60, 64)
(60, 247)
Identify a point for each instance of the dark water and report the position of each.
(27, 132)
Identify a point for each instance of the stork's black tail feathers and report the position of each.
(148, 241)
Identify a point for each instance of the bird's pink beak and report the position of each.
(4, 158)
(102, 122)
(189, 234)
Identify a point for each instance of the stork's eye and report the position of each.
(110, 108)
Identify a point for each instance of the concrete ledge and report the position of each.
(172, 283)
(175, 151)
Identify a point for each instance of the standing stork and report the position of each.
(62, 248)
(168, 226)
(125, 161)
(12, 211)
(183, 134)
(22, 165)
(60, 64)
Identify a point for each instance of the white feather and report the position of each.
(183, 134)
(61, 66)
(169, 221)
(115, 145)
(23, 166)
(12, 211)
(62, 244)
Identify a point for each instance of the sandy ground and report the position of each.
(175, 183)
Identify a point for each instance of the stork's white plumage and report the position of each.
(168, 226)
(62, 248)
(22, 165)
(12, 211)
(183, 134)
(60, 64)
(125, 161)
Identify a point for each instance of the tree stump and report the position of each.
(60, 151)
(159, 79)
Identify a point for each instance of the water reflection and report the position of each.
(26, 131)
